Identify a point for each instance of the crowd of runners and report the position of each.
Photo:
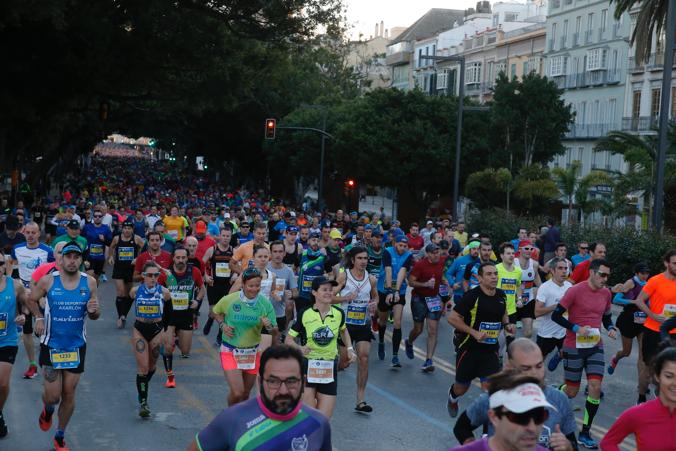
(293, 297)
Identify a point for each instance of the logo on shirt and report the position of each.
(323, 336)
(236, 308)
(299, 443)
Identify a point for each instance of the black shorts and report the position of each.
(330, 389)
(215, 293)
(547, 345)
(650, 345)
(8, 354)
(383, 306)
(45, 360)
(50, 229)
(626, 324)
(96, 266)
(475, 363)
(123, 272)
(513, 318)
(527, 311)
(360, 333)
(182, 320)
(149, 330)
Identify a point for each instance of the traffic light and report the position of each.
(351, 193)
(270, 128)
(350, 184)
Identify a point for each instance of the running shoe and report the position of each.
(171, 382)
(104, 279)
(452, 406)
(207, 326)
(45, 421)
(554, 362)
(395, 362)
(60, 444)
(381, 351)
(611, 367)
(428, 366)
(374, 324)
(31, 372)
(144, 411)
(363, 407)
(185, 356)
(585, 440)
(409, 349)
(121, 321)
(3, 427)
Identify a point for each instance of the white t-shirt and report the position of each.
(550, 294)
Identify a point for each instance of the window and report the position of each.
(612, 109)
(496, 17)
(512, 71)
(597, 59)
(534, 64)
(580, 151)
(590, 22)
(655, 102)
(473, 73)
(525, 69)
(434, 49)
(582, 113)
(500, 67)
(558, 66)
(564, 33)
(442, 79)
(511, 17)
(419, 57)
(636, 105)
(578, 24)
(400, 74)
(609, 160)
(553, 38)
(604, 19)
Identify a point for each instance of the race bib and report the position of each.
(96, 249)
(307, 282)
(222, 270)
(64, 359)
(280, 285)
(245, 358)
(173, 234)
(147, 309)
(669, 310)
(508, 286)
(433, 303)
(640, 317)
(125, 254)
(179, 300)
(3, 324)
(588, 341)
(356, 314)
(443, 290)
(320, 371)
(492, 331)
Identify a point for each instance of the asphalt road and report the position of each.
(409, 406)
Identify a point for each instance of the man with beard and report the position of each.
(312, 265)
(276, 419)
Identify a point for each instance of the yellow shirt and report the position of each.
(461, 237)
(175, 227)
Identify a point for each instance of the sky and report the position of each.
(364, 14)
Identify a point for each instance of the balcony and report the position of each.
(576, 39)
(560, 81)
(588, 36)
(473, 89)
(655, 61)
(616, 30)
(550, 44)
(562, 44)
(588, 131)
(603, 34)
(571, 81)
(399, 53)
(639, 124)
(582, 80)
(634, 66)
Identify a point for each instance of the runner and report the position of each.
(478, 319)
(561, 250)
(71, 297)
(312, 265)
(28, 256)
(292, 248)
(654, 422)
(581, 271)
(124, 249)
(550, 335)
(318, 330)
(530, 282)
(175, 224)
(630, 324)
(509, 280)
(524, 358)
(426, 304)
(186, 286)
(240, 316)
(282, 421)
(588, 307)
(582, 253)
(358, 294)
(99, 237)
(72, 234)
(470, 278)
(397, 262)
(286, 286)
(12, 297)
(154, 253)
(153, 306)
(456, 274)
(243, 254)
(218, 278)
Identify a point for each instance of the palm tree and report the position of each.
(651, 21)
(576, 189)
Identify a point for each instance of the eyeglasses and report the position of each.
(603, 274)
(275, 383)
(151, 274)
(539, 415)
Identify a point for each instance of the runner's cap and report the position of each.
(431, 248)
(335, 234)
(292, 229)
(315, 235)
(321, 280)
(401, 239)
(520, 399)
(474, 244)
(71, 247)
(127, 223)
(524, 243)
(200, 227)
(73, 224)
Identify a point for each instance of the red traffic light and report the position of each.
(350, 183)
(270, 128)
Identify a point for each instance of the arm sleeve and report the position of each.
(166, 313)
(619, 299)
(463, 428)
(557, 317)
(296, 329)
(607, 320)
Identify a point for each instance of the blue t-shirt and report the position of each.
(457, 272)
(96, 246)
(477, 412)
(577, 258)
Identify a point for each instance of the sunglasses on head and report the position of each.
(539, 415)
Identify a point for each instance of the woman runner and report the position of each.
(124, 249)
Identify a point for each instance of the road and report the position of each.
(409, 406)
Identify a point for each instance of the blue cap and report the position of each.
(71, 247)
(401, 239)
(368, 227)
(315, 235)
(292, 229)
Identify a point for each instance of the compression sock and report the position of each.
(60, 433)
(168, 363)
(150, 375)
(396, 341)
(142, 387)
(49, 409)
(452, 394)
(119, 305)
(381, 333)
(591, 406)
(127, 302)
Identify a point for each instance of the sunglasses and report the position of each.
(539, 415)
(603, 274)
(584, 248)
(151, 274)
(527, 248)
(98, 216)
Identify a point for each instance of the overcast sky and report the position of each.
(364, 14)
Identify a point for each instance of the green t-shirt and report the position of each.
(245, 319)
(80, 240)
(508, 281)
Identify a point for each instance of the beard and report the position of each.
(180, 267)
(280, 404)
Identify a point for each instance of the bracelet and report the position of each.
(575, 328)
(40, 319)
(350, 348)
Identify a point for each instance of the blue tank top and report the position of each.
(65, 314)
(149, 303)
(8, 333)
(309, 271)
(140, 227)
(397, 262)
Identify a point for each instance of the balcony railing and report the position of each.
(588, 36)
(640, 123)
(634, 66)
(616, 30)
(655, 61)
(602, 34)
(576, 39)
(589, 130)
(550, 45)
(473, 89)
(562, 44)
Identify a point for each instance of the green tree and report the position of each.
(535, 189)
(530, 118)
(576, 189)
(486, 186)
(651, 21)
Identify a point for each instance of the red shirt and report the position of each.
(415, 242)
(202, 246)
(164, 260)
(581, 272)
(196, 276)
(423, 271)
(586, 307)
(652, 424)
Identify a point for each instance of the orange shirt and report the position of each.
(244, 253)
(662, 292)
